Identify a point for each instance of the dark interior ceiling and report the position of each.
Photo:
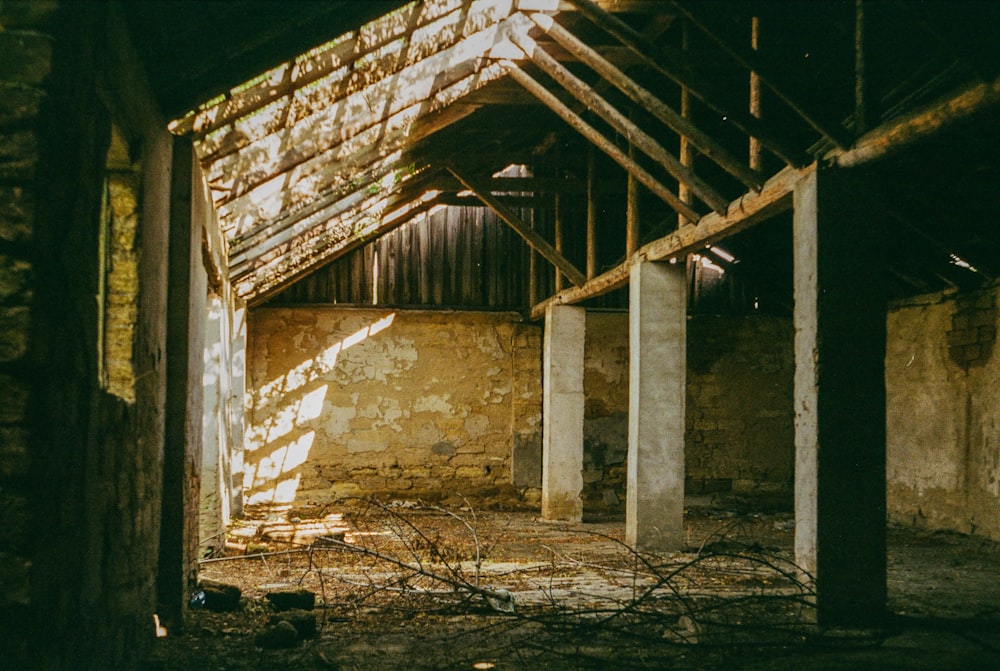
(916, 53)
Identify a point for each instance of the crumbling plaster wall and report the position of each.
(407, 404)
(385, 403)
(943, 419)
(739, 433)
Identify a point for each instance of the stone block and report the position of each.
(18, 103)
(27, 56)
(17, 211)
(471, 472)
(18, 154)
(14, 325)
(526, 460)
(12, 410)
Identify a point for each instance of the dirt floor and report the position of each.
(403, 586)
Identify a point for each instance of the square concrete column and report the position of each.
(840, 397)
(562, 413)
(654, 506)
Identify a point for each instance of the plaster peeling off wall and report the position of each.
(391, 404)
(943, 413)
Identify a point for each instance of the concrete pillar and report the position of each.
(214, 508)
(237, 421)
(654, 504)
(562, 413)
(839, 398)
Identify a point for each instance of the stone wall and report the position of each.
(79, 463)
(740, 432)
(425, 405)
(390, 404)
(943, 445)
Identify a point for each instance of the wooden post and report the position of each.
(558, 235)
(755, 158)
(686, 155)
(592, 214)
(632, 213)
(601, 142)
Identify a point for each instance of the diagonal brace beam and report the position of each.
(536, 241)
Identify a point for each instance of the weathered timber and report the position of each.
(601, 142)
(591, 214)
(534, 240)
(310, 182)
(672, 65)
(651, 103)
(421, 85)
(921, 123)
(265, 282)
(773, 198)
(767, 78)
(755, 108)
(360, 199)
(632, 215)
(635, 135)
(557, 235)
(865, 113)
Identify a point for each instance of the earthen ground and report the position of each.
(579, 598)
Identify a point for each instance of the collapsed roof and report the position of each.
(701, 103)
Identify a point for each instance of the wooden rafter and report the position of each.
(601, 142)
(635, 135)
(536, 241)
(651, 103)
(673, 65)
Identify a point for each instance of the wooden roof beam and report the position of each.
(311, 182)
(433, 82)
(635, 135)
(601, 142)
(651, 103)
(672, 65)
(534, 240)
(744, 212)
(750, 61)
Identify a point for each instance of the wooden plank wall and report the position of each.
(459, 257)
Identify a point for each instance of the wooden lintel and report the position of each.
(534, 240)
(651, 103)
(773, 198)
(601, 142)
(636, 136)
(673, 66)
(921, 123)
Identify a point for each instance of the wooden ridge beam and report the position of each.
(651, 103)
(750, 61)
(773, 198)
(534, 240)
(635, 135)
(601, 142)
(673, 66)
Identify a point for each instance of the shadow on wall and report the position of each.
(278, 447)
